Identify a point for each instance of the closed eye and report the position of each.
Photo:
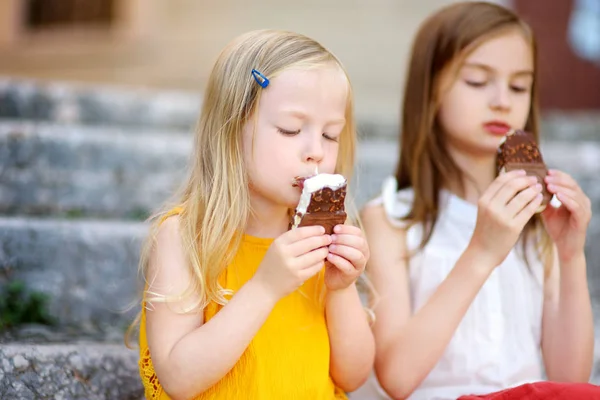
(332, 138)
(475, 84)
(288, 133)
(519, 89)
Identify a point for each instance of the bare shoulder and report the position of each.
(387, 241)
(377, 224)
(167, 266)
(168, 232)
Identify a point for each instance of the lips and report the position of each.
(299, 180)
(498, 128)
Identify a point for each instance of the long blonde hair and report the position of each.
(425, 165)
(214, 198)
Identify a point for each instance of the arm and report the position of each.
(189, 355)
(567, 323)
(408, 347)
(350, 338)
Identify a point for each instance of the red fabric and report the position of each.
(543, 391)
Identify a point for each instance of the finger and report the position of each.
(355, 241)
(355, 256)
(342, 264)
(521, 200)
(558, 178)
(312, 257)
(347, 229)
(358, 242)
(309, 244)
(561, 179)
(574, 207)
(555, 188)
(311, 270)
(511, 188)
(303, 232)
(499, 182)
(576, 194)
(526, 213)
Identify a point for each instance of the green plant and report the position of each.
(17, 306)
(74, 213)
(138, 214)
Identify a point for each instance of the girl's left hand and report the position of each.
(567, 224)
(348, 255)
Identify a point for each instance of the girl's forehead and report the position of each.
(319, 89)
(510, 50)
(314, 78)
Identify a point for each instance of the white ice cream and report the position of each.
(313, 184)
(510, 132)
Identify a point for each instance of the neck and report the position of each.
(267, 220)
(478, 174)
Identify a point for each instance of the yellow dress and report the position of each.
(289, 356)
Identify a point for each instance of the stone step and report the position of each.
(110, 173)
(77, 370)
(97, 104)
(88, 269)
(72, 103)
(74, 171)
(89, 104)
(83, 370)
(115, 173)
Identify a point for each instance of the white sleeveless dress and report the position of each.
(497, 344)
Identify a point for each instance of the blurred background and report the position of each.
(98, 99)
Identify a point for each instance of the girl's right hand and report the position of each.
(502, 212)
(294, 257)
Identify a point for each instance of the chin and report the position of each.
(292, 204)
(289, 200)
(491, 144)
(491, 152)
(483, 150)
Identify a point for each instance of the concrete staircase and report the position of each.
(80, 169)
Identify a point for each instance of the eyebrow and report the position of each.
(487, 68)
(301, 115)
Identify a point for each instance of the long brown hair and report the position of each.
(445, 38)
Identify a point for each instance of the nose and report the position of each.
(313, 150)
(501, 100)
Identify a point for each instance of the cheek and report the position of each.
(331, 156)
(258, 160)
(451, 118)
(460, 109)
(274, 156)
(463, 99)
(259, 146)
(524, 105)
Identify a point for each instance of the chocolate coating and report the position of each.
(520, 151)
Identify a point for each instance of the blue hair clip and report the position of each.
(260, 78)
